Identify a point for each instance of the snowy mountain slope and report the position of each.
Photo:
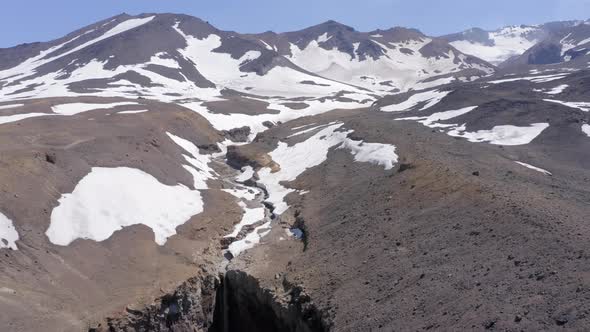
(184, 60)
(516, 109)
(383, 60)
(173, 58)
(500, 45)
(568, 47)
(138, 56)
(497, 46)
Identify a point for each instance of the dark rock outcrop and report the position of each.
(238, 134)
(189, 308)
(243, 305)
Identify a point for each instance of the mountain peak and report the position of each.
(330, 26)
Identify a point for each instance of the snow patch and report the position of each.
(18, 117)
(374, 153)
(557, 90)
(502, 135)
(534, 79)
(431, 98)
(432, 120)
(8, 234)
(534, 168)
(161, 59)
(133, 112)
(250, 240)
(108, 199)
(250, 217)
(324, 38)
(76, 108)
(247, 174)
(3, 107)
(199, 163)
(296, 159)
(582, 106)
(310, 129)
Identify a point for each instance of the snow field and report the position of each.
(108, 199)
(502, 135)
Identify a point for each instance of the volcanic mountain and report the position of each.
(513, 41)
(161, 174)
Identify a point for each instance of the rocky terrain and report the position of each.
(161, 174)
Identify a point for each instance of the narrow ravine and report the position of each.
(229, 300)
(242, 304)
(249, 232)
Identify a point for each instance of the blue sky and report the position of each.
(41, 20)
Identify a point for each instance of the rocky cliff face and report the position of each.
(189, 308)
(231, 302)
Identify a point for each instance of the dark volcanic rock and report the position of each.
(238, 134)
(189, 308)
(246, 306)
(50, 158)
(544, 54)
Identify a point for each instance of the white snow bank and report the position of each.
(133, 112)
(296, 159)
(199, 167)
(247, 174)
(431, 98)
(164, 60)
(75, 108)
(533, 168)
(375, 153)
(3, 107)
(534, 79)
(18, 117)
(432, 120)
(108, 199)
(250, 217)
(304, 126)
(586, 129)
(63, 109)
(583, 106)
(310, 129)
(557, 90)
(8, 234)
(502, 135)
(250, 240)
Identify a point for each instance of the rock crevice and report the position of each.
(227, 303)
